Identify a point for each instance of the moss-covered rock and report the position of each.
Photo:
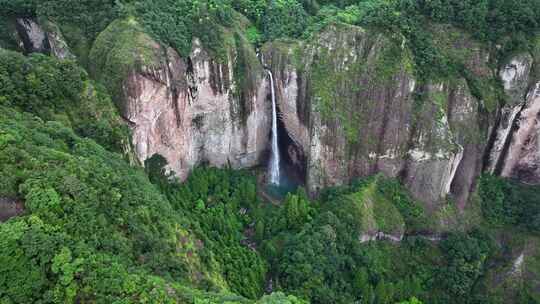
(122, 48)
(354, 107)
(379, 218)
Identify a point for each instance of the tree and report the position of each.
(284, 18)
(412, 300)
(259, 231)
(383, 293)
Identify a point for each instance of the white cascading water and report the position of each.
(274, 158)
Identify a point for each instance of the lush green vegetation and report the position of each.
(176, 22)
(98, 230)
(95, 227)
(60, 90)
(509, 203)
(91, 16)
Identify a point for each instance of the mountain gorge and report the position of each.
(412, 125)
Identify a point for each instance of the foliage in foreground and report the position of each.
(60, 90)
(96, 230)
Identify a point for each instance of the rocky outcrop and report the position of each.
(515, 79)
(325, 99)
(522, 160)
(190, 110)
(353, 108)
(33, 36)
(516, 151)
(348, 101)
(43, 38)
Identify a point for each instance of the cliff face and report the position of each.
(42, 37)
(360, 111)
(353, 108)
(516, 152)
(190, 110)
(349, 104)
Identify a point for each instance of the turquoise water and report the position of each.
(286, 185)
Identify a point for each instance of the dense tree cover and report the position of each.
(315, 250)
(218, 201)
(203, 232)
(96, 230)
(176, 22)
(506, 202)
(90, 218)
(60, 90)
(466, 256)
(90, 16)
(284, 18)
(499, 22)
(491, 20)
(312, 249)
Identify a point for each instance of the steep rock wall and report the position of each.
(348, 100)
(515, 78)
(189, 110)
(354, 108)
(516, 151)
(42, 37)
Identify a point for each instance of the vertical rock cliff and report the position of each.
(516, 153)
(353, 108)
(190, 110)
(350, 105)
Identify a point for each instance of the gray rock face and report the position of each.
(33, 36)
(361, 115)
(349, 104)
(515, 78)
(522, 160)
(380, 236)
(516, 151)
(347, 110)
(46, 38)
(187, 110)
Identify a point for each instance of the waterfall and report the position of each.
(274, 158)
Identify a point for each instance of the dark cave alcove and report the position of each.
(293, 163)
(293, 160)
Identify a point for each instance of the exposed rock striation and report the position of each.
(515, 79)
(42, 38)
(516, 151)
(349, 104)
(189, 110)
(353, 108)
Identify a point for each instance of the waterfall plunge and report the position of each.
(274, 158)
